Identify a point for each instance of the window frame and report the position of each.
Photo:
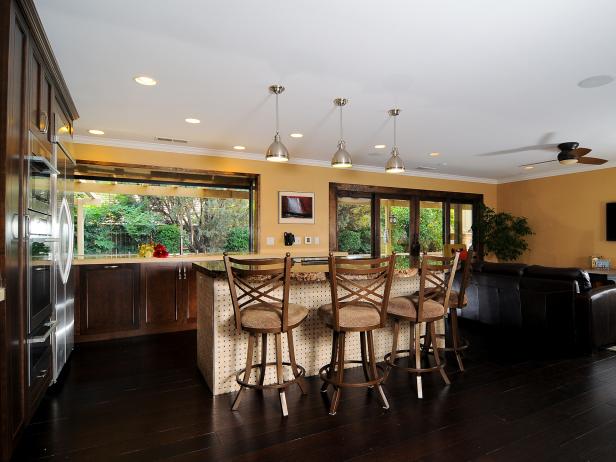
(237, 180)
(415, 196)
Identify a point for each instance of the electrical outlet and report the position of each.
(307, 240)
(269, 240)
(298, 240)
(317, 240)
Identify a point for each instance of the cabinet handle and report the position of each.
(184, 272)
(179, 272)
(43, 122)
(110, 266)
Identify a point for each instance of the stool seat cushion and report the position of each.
(352, 316)
(261, 316)
(453, 299)
(405, 307)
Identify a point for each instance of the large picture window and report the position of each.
(114, 216)
(377, 220)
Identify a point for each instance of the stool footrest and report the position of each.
(332, 381)
(285, 384)
(391, 363)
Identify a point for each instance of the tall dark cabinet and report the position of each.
(31, 89)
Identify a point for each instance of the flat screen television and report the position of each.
(610, 220)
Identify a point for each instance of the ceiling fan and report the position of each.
(570, 153)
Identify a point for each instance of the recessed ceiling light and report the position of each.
(193, 121)
(145, 80)
(96, 132)
(528, 167)
(380, 146)
(297, 135)
(239, 147)
(435, 154)
(596, 81)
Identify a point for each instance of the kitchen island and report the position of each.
(221, 352)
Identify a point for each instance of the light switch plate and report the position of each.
(308, 240)
(269, 240)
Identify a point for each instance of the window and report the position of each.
(395, 229)
(113, 217)
(461, 224)
(354, 232)
(406, 219)
(431, 227)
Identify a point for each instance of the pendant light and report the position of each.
(395, 163)
(342, 158)
(277, 152)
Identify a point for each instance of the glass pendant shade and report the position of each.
(342, 158)
(277, 152)
(395, 163)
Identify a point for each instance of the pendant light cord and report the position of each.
(341, 132)
(277, 122)
(395, 143)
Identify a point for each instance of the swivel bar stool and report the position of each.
(259, 311)
(361, 306)
(458, 300)
(424, 308)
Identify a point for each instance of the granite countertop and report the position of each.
(300, 272)
(125, 259)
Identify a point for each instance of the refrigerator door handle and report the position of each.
(65, 213)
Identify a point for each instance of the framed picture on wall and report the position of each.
(295, 207)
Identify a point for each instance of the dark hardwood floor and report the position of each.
(143, 400)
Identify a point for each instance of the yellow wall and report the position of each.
(567, 214)
(281, 177)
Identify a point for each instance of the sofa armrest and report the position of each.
(596, 316)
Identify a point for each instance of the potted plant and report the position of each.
(501, 234)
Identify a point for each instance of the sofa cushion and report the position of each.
(560, 274)
(507, 269)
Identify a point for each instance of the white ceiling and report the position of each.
(471, 77)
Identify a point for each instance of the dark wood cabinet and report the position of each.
(30, 80)
(108, 299)
(126, 300)
(162, 293)
(169, 291)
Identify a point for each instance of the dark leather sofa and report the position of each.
(556, 305)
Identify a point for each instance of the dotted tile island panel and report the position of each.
(225, 350)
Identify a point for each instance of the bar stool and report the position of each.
(458, 300)
(259, 311)
(361, 307)
(424, 308)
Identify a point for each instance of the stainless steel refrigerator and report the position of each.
(64, 233)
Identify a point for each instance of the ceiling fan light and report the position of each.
(342, 158)
(567, 158)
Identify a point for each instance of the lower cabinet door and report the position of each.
(161, 286)
(109, 298)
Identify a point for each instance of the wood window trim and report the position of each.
(376, 193)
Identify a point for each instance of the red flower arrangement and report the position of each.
(160, 251)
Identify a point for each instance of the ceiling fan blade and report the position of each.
(591, 161)
(579, 152)
(536, 147)
(538, 163)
